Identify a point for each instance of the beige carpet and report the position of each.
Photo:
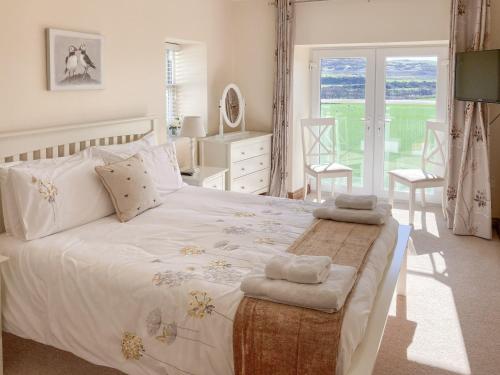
(448, 324)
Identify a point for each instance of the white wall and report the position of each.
(377, 21)
(253, 57)
(134, 31)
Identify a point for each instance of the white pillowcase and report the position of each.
(11, 219)
(160, 162)
(126, 150)
(53, 195)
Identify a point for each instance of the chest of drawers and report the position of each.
(246, 155)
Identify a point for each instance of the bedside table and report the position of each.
(2, 261)
(208, 177)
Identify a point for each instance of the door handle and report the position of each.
(381, 124)
(368, 123)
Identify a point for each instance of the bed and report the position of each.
(166, 284)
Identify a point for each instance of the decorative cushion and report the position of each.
(53, 195)
(130, 187)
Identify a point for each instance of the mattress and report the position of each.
(158, 294)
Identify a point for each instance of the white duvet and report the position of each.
(158, 295)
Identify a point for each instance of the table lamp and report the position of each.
(192, 127)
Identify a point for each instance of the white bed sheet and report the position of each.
(82, 290)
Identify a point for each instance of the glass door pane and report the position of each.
(343, 97)
(410, 100)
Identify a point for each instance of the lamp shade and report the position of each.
(192, 127)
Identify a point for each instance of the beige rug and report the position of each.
(449, 324)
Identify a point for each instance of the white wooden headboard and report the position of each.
(66, 140)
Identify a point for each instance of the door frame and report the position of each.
(370, 56)
(375, 102)
(441, 106)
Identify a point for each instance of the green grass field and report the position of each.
(404, 135)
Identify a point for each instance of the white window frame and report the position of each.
(375, 100)
(171, 87)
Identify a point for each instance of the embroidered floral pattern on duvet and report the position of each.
(200, 280)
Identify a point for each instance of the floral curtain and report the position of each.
(468, 198)
(282, 96)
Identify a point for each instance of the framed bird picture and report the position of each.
(74, 60)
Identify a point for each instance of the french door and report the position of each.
(381, 99)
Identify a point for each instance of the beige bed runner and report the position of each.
(276, 339)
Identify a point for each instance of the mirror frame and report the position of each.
(224, 118)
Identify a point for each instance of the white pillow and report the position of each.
(9, 211)
(53, 195)
(161, 164)
(126, 150)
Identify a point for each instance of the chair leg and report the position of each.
(305, 186)
(391, 189)
(412, 204)
(318, 188)
(422, 192)
(349, 183)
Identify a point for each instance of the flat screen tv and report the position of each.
(477, 76)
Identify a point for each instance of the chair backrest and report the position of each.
(318, 140)
(435, 154)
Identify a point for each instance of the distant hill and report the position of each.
(405, 78)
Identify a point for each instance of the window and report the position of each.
(381, 99)
(185, 83)
(171, 88)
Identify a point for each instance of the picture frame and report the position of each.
(74, 60)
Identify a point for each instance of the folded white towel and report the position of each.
(328, 296)
(376, 216)
(303, 269)
(356, 202)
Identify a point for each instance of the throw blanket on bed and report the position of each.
(272, 338)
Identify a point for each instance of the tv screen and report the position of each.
(477, 76)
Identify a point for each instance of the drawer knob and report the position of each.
(242, 169)
(262, 149)
(261, 180)
(261, 163)
(214, 186)
(242, 152)
(243, 188)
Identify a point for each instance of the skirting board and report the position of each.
(496, 225)
(299, 194)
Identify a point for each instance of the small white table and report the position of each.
(208, 177)
(2, 261)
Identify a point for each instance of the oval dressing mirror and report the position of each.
(232, 108)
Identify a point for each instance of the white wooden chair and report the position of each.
(423, 178)
(318, 146)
